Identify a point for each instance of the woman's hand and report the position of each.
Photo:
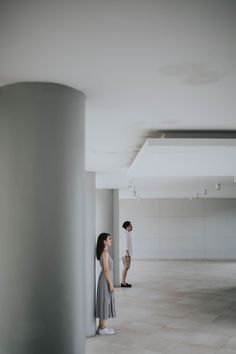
(111, 288)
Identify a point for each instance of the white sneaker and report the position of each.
(106, 331)
(111, 330)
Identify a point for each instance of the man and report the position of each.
(126, 252)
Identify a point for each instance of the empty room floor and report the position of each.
(174, 307)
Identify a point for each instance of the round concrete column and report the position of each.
(41, 219)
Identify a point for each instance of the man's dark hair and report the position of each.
(126, 224)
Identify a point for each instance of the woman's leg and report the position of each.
(101, 324)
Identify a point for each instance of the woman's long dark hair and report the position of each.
(100, 244)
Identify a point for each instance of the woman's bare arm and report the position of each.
(106, 270)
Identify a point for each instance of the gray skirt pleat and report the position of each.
(105, 299)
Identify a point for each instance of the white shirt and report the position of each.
(127, 243)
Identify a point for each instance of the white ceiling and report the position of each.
(144, 65)
(184, 168)
(185, 158)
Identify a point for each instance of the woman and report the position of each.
(105, 291)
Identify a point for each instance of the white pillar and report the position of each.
(104, 211)
(107, 220)
(116, 237)
(41, 219)
(90, 246)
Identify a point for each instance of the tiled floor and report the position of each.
(183, 307)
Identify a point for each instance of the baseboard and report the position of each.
(185, 259)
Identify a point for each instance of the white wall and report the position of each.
(182, 229)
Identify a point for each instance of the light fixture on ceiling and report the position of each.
(130, 184)
(218, 186)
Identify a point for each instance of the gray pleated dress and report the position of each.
(105, 299)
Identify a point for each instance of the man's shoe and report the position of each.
(126, 285)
